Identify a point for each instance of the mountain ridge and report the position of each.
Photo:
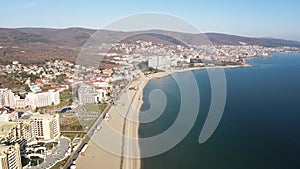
(38, 44)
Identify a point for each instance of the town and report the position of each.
(46, 109)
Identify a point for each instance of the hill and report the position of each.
(39, 44)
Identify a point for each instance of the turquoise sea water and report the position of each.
(260, 127)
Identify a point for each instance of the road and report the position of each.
(117, 122)
(114, 145)
(74, 155)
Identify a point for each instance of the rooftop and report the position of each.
(43, 116)
(5, 127)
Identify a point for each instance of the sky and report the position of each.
(255, 18)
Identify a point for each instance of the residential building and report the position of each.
(87, 94)
(40, 127)
(42, 99)
(6, 97)
(10, 157)
(33, 100)
(45, 126)
(90, 95)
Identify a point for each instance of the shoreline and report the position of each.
(166, 73)
(129, 104)
(163, 74)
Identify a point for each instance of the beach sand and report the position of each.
(110, 156)
(101, 157)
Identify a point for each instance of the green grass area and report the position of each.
(66, 94)
(102, 107)
(25, 161)
(66, 98)
(91, 107)
(81, 123)
(95, 107)
(77, 125)
(36, 160)
(74, 126)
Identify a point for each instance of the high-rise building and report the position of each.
(10, 157)
(45, 126)
(27, 130)
(42, 99)
(161, 62)
(40, 126)
(90, 95)
(6, 97)
(86, 94)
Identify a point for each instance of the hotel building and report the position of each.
(90, 95)
(40, 127)
(33, 100)
(45, 126)
(10, 157)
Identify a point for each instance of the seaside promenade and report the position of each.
(108, 147)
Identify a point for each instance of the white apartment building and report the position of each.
(42, 99)
(33, 100)
(101, 95)
(161, 62)
(6, 97)
(10, 157)
(86, 94)
(90, 95)
(45, 126)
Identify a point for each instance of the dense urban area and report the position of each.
(46, 109)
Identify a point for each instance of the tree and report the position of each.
(27, 88)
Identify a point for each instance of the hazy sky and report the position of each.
(257, 18)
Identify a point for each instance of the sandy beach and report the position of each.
(109, 147)
(106, 149)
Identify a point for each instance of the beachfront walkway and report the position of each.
(96, 156)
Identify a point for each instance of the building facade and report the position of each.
(90, 95)
(42, 99)
(6, 98)
(33, 100)
(42, 127)
(45, 126)
(10, 157)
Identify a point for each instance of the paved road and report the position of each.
(110, 148)
(74, 155)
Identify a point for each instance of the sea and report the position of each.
(260, 126)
